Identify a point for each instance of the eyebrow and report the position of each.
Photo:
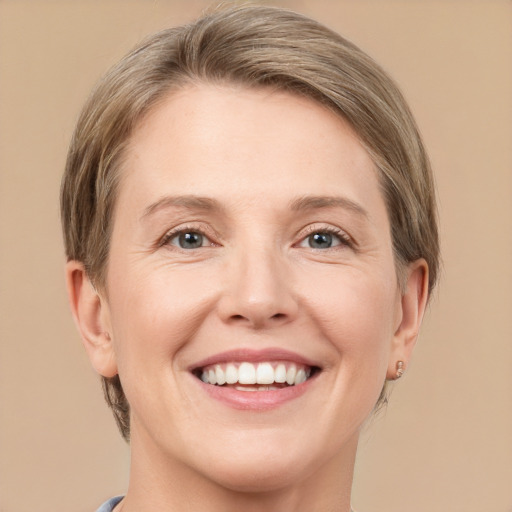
(190, 202)
(319, 202)
(207, 204)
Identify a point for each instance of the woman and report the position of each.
(249, 219)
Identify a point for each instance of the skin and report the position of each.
(256, 283)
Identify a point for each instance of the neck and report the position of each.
(168, 485)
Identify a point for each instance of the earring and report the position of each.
(399, 369)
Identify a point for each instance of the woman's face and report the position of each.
(250, 241)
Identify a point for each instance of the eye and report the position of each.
(187, 239)
(322, 240)
(325, 239)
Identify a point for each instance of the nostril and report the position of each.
(279, 316)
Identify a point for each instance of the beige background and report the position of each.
(445, 442)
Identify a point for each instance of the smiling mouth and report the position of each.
(262, 376)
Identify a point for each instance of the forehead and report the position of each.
(225, 141)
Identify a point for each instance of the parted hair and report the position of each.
(255, 47)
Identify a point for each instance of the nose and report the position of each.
(258, 291)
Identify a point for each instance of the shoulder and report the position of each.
(109, 505)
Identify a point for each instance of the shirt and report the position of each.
(109, 505)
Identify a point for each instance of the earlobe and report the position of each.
(413, 304)
(90, 313)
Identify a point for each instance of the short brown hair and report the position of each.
(253, 46)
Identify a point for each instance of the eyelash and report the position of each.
(173, 233)
(345, 240)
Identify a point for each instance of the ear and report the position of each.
(91, 315)
(410, 315)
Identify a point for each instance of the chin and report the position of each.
(258, 477)
(262, 463)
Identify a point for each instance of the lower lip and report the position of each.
(256, 400)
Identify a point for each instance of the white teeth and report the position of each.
(219, 375)
(212, 377)
(245, 388)
(256, 388)
(300, 377)
(267, 388)
(247, 373)
(265, 374)
(231, 374)
(280, 373)
(290, 375)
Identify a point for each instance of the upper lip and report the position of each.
(254, 356)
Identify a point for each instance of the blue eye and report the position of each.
(325, 239)
(321, 240)
(188, 240)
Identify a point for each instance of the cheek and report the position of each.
(355, 311)
(155, 313)
(352, 311)
(154, 316)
